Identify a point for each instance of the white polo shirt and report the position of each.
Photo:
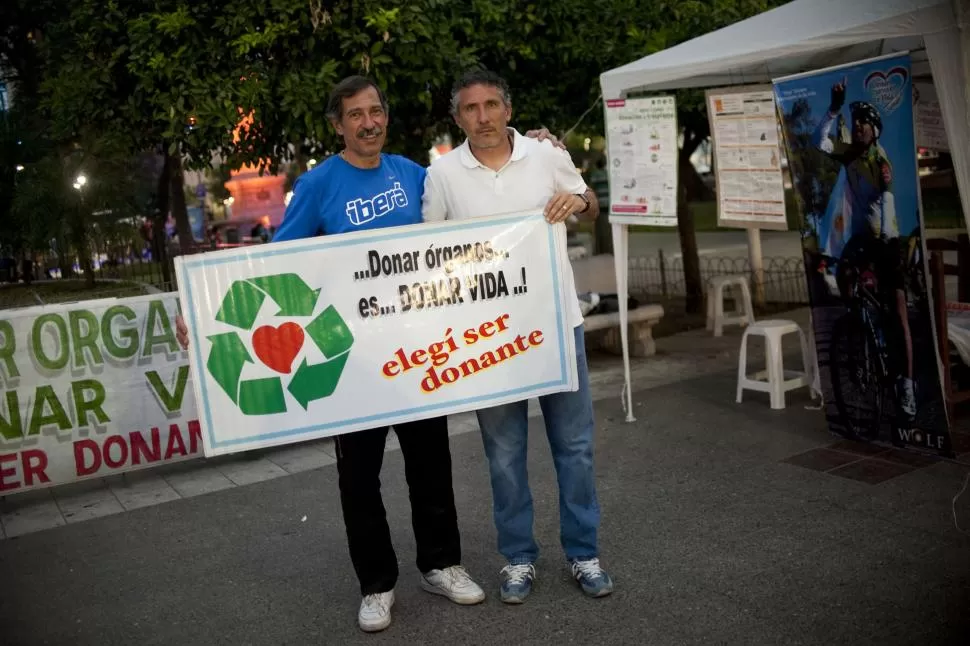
(458, 186)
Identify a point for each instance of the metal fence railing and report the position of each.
(660, 277)
(116, 264)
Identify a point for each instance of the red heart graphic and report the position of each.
(277, 347)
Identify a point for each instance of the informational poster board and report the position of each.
(643, 157)
(747, 158)
(930, 132)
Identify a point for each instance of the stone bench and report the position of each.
(598, 274)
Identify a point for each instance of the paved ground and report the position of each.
(681, 357)
(723, 524)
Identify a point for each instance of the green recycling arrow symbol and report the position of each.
(227, 358)
(289, 291)
(312, 382)
(228, 355)
(241, 305)
(331, 334)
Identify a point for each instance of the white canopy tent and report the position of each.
(806, 35)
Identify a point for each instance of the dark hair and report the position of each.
(479, 77)
(347, 88)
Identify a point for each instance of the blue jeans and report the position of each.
(569, 427)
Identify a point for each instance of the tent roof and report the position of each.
(799, 36)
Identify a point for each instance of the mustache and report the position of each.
(370, 132)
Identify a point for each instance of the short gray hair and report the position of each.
(479, 77)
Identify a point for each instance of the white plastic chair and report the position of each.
(743, 315)
(775, 380)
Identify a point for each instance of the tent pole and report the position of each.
(621, 239)
(961, 11)
(757, 265)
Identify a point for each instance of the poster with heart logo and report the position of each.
(299, 340)
(850, 136)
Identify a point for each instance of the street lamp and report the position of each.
(80, 182)
(20, 167)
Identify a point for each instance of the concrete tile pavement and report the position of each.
(31, 513)
(87, 502)
(198, 480)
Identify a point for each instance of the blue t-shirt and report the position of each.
(337, 197)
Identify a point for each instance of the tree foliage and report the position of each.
(184, 73)
(175, 78)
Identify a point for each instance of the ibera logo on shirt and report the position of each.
(362, 211)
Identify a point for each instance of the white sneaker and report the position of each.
(375, 611)
(453, 582)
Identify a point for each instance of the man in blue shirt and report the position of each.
(362, 188)
(358, 189)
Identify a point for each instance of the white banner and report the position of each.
(747, 158)
(643, 152)
(311, 338)
(92, 389)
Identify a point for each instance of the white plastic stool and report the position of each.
(778, 381)
(743, 315)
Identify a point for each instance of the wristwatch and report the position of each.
(585, 199)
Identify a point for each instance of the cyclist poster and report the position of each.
(851, 146)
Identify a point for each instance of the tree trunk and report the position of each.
(159, 247)
(79, 236)
(688, 244)
(603, 233)
(63, 257)
(697, 190)
(27, 266)
(300, 155)
(88, 270)
(179, 210)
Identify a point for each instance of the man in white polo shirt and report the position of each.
(497, 170)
